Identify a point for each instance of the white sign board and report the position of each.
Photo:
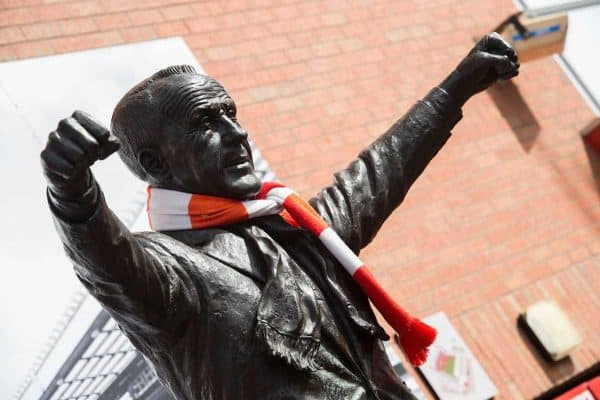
(451, 369)
(38, 282)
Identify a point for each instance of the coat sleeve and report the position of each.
(145, 291)
(364, 194)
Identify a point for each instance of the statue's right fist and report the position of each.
(72, 148)
(490, 60)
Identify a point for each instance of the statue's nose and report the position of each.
(234, 132)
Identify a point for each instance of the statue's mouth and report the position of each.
(237, 161)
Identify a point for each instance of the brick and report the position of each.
(76, 26)
(233, 6)
(18, 3)
(235, 66)
(207, 8)
(79, 8)
(262, 46)
(60, 11)
(285, 12)
(333, 19)
(16, 17)
(11, 35)
(273, 59)
(112, 21)
(88, 41)
(138, 34)
(177, 12)
(325, 49)
(175, 28)
(145, 17)
(220, 53)
(203, 24)
(41, 30)
(350, 44)
(299, 54)
(112, 6)
(199, 40)
(7, 53)
(32, 49)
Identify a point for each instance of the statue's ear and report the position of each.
(153, 163)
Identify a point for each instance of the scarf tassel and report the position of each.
(414, 335)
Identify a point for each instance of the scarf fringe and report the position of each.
(299, 352)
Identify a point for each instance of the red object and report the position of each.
(415, 336)
(592, 387)
(592, 137)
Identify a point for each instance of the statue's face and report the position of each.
(206, 149)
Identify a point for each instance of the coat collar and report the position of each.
(223, 246)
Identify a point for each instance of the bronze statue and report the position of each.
(191, 300)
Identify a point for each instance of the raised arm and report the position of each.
(143, 291)
(364, 194)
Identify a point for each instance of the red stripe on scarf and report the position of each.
(207, 211)
(266, 188)
(304, 214)
(415, 336)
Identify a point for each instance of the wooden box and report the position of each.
(547, 36)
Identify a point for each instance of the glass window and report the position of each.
(542, 7)
(581, 57)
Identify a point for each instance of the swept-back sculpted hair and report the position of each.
(143, 110)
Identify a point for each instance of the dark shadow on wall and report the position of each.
(514, 109)
(571, 184)
(576, 380)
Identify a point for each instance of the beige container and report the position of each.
(548, 36)
(552, 328)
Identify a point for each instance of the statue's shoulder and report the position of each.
(167, 242)
(212, 243)
(152, 237)
(171, 251)
(214, 248)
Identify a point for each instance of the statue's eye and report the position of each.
(231, 113)
(206, 122)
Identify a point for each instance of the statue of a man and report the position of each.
(191, 300)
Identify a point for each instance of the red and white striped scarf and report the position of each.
(172, 210)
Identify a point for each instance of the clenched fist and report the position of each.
(491, 59)
(72, 148)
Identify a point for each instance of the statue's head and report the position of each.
(178, 130)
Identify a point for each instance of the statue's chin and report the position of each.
(242, 187)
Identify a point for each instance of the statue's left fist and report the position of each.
(491, 59)
(77, 143)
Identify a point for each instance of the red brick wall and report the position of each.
(508, 212)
